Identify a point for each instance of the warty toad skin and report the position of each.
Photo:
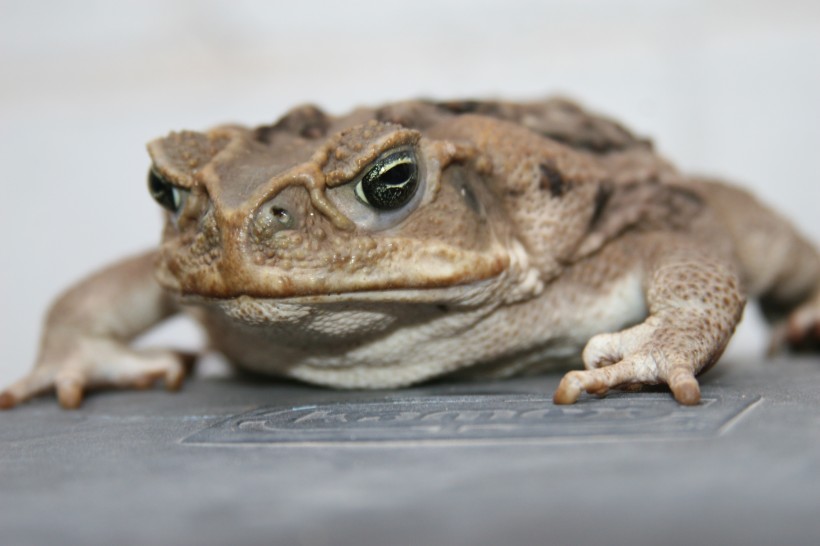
(396, 244)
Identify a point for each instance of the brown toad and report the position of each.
(396, 244)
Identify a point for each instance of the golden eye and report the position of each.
(390, 183)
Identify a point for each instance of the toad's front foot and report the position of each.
(642, 355)
(91, 363)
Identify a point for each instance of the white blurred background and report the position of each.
(725, 87)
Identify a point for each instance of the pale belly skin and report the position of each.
(399, 244)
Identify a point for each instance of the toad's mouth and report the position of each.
(467, 295)
(402, 274)
(502, 275)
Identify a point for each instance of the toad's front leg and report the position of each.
(86, 336)
(694, 302)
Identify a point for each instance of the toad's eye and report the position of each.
(166, 194)
(390, 183)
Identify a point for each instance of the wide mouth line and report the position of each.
(420, 295)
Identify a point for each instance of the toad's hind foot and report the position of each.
(801, 331)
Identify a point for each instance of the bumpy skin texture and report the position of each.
(526, 235)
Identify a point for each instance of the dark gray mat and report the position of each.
(231, 461)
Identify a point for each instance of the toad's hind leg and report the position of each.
(778, 266)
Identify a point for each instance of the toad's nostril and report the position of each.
(272, 218)
(281, 216)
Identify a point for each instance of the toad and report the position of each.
(396, 244)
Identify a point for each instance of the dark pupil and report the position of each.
(391, 188)
(397, 175)
(162, 191)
